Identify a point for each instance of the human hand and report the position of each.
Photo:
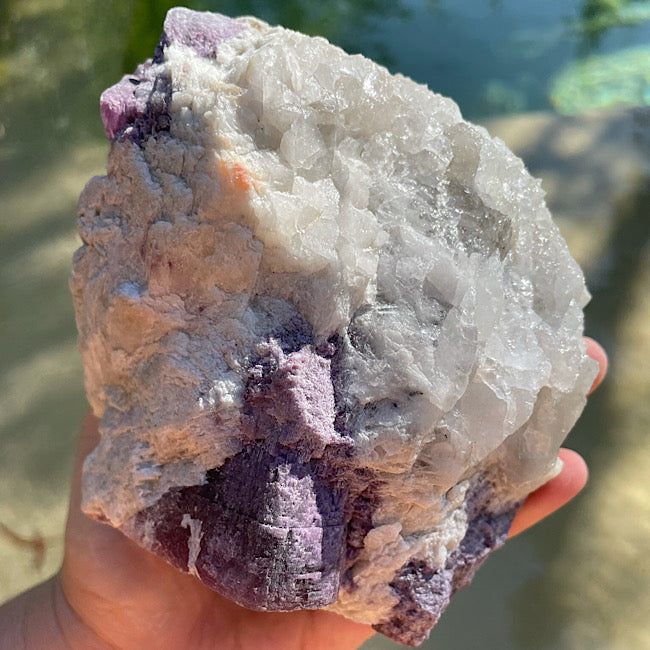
(110, 593)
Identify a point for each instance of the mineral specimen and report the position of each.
(331, 331)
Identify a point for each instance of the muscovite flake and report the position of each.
(333, 336)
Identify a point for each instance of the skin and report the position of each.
(110, 593)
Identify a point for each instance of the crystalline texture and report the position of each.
(331, 331)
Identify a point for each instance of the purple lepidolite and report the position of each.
(331, 331)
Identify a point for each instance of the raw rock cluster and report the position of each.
(333, 336)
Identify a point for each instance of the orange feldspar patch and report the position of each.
(236, 175)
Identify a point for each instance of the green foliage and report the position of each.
(143, 29)
(599, 16)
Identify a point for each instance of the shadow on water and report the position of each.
(597, 436)
(547, 155)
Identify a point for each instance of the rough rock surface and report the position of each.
(333, 336)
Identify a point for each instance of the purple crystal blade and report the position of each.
(268, 528)
(266, 532)
(201, 31)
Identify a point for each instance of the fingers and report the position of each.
(554, 494)
(596, 352)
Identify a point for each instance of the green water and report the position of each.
(579, 580)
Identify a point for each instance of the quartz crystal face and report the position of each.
(331, 331)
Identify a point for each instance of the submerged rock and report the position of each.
(333, 336)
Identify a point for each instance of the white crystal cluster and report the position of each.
(297, 183)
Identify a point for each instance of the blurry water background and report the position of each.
(563, 82)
